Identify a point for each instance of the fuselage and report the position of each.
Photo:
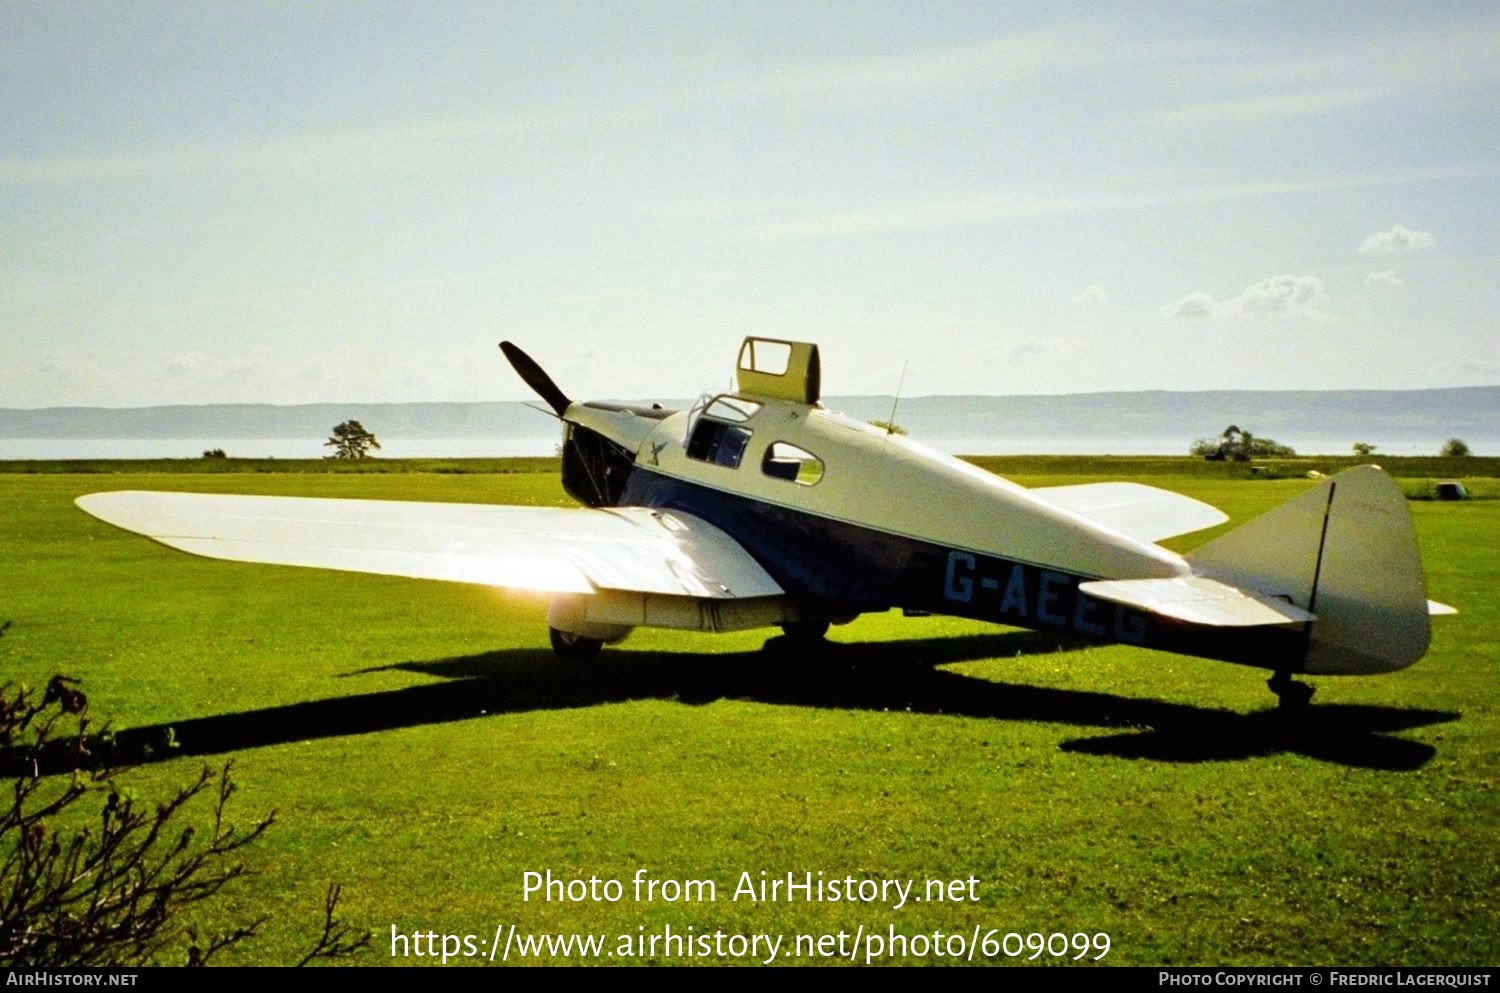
(848, 519)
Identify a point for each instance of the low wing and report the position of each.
(1134, 509)
(1198, 600)
(551, 549)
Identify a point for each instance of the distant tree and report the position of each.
(1207, 448)
(1232, 443)
(1266, 448)
(351, 441)
(1454, 448)
(215, 453)
(1364, 448)
(889, 427)
(1239, 446)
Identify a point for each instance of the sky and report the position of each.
(320, 202)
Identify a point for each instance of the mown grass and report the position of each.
(424, 748)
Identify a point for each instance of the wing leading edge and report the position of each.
(547, 549)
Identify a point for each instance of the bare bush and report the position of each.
(119, 887)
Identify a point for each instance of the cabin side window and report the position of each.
(716, 436)
(719, 443)
(796, 465)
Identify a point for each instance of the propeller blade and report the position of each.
(534, 377)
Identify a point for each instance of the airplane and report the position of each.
(759, 507)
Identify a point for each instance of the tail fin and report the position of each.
(1344, 551)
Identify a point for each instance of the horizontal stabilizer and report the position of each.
(1134, 509)
(1197, 600)
(548, 549)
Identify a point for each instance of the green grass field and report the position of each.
(424, 749)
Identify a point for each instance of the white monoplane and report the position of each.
(758, 507)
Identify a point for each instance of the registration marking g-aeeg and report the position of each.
(1033, 595)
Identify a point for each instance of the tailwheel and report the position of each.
(806, 631)
(574, 647)
(1290, 694)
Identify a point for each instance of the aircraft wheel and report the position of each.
(575, 647)
(1290, 694)
(806, 631)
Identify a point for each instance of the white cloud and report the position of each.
(1478, 368)
(414, 146)
(1193, 306)
(721, 209)
(56, 365)
(1274, 296)
(1259, 69)
(1266, 106)
(58, 376)
(945, 71)
(186, 365)
(1397, 239)
(1456, 53)
(1009, 354)
(968, 211)
(1280, 296)
(256, 368)
(1386, 277)
(1094, 294)
(313, 373)
(952, 69)
(1276, 81)
(32, 285)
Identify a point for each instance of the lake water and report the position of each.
(312, 448)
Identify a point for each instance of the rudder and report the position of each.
(1345, 551)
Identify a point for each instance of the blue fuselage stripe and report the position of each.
(834, 567)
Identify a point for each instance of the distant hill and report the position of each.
(251, 420)
(1382, 417)
(1341, 417)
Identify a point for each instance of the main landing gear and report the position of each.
(808, 631)
(1290, 694)
(575, 647)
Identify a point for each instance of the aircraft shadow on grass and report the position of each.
(896, 675)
